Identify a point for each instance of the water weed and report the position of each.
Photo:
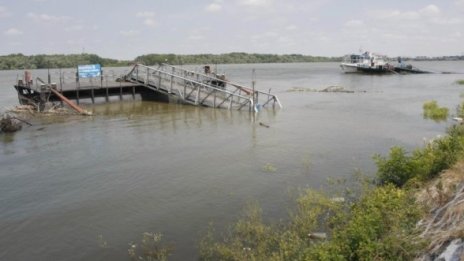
(269, 168)
(150, 249)
(434, 112)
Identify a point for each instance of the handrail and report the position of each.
(141, 73)
(247, 90)
(196, 82)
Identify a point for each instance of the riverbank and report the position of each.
(443, 222)
(414, 212)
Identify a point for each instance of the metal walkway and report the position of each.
(198, 89)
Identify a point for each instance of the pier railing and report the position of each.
(260, 98)
(195, 88)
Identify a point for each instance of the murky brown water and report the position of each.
(139, 167)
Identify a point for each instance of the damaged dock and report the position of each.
(161, 83)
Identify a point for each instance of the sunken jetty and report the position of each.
(152, 83)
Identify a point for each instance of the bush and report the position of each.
(423, 164)
(250, 239)
(397, 169)
(379, 227)
(460, 110)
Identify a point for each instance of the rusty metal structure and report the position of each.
(161, 83)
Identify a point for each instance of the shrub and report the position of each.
(250, 239)
(460, 110)
(379, 227)
(424, 163)
(397, 169)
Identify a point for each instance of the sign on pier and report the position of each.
(89, 70)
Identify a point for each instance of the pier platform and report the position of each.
(162, 83)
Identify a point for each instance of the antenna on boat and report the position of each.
(253, 81)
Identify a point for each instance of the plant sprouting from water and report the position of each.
(102, 242)
(460, 82)
(269, 168)
(150, 249)
(460, 110)
(434, 112)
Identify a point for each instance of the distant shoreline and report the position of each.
(43, 61)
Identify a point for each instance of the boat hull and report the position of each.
(348, 68)
(357, 68)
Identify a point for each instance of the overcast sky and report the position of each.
(124, 29)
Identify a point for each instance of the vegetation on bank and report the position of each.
(231, 58)
(365, 230)
(401, 168)
(41, 61)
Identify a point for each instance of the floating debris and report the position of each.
(332, 88)
(10, 124)
(264, 125)
(336, 89)
(50, 108)
(301, 89)
(317, 235)
(338, 199)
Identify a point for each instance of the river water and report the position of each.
(67, 183)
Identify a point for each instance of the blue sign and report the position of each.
(89, 70)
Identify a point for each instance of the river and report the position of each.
(67, 183)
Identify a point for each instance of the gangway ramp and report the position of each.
(199, 89)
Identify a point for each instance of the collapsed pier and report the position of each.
(162, 83)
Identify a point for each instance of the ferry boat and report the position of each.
(366, 62)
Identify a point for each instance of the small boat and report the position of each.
(366, 62)
(406, 68)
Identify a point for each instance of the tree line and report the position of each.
(231, 58)
(42, 61)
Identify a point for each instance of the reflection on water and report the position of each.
(137, 167)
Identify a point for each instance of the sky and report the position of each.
(125, 29)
